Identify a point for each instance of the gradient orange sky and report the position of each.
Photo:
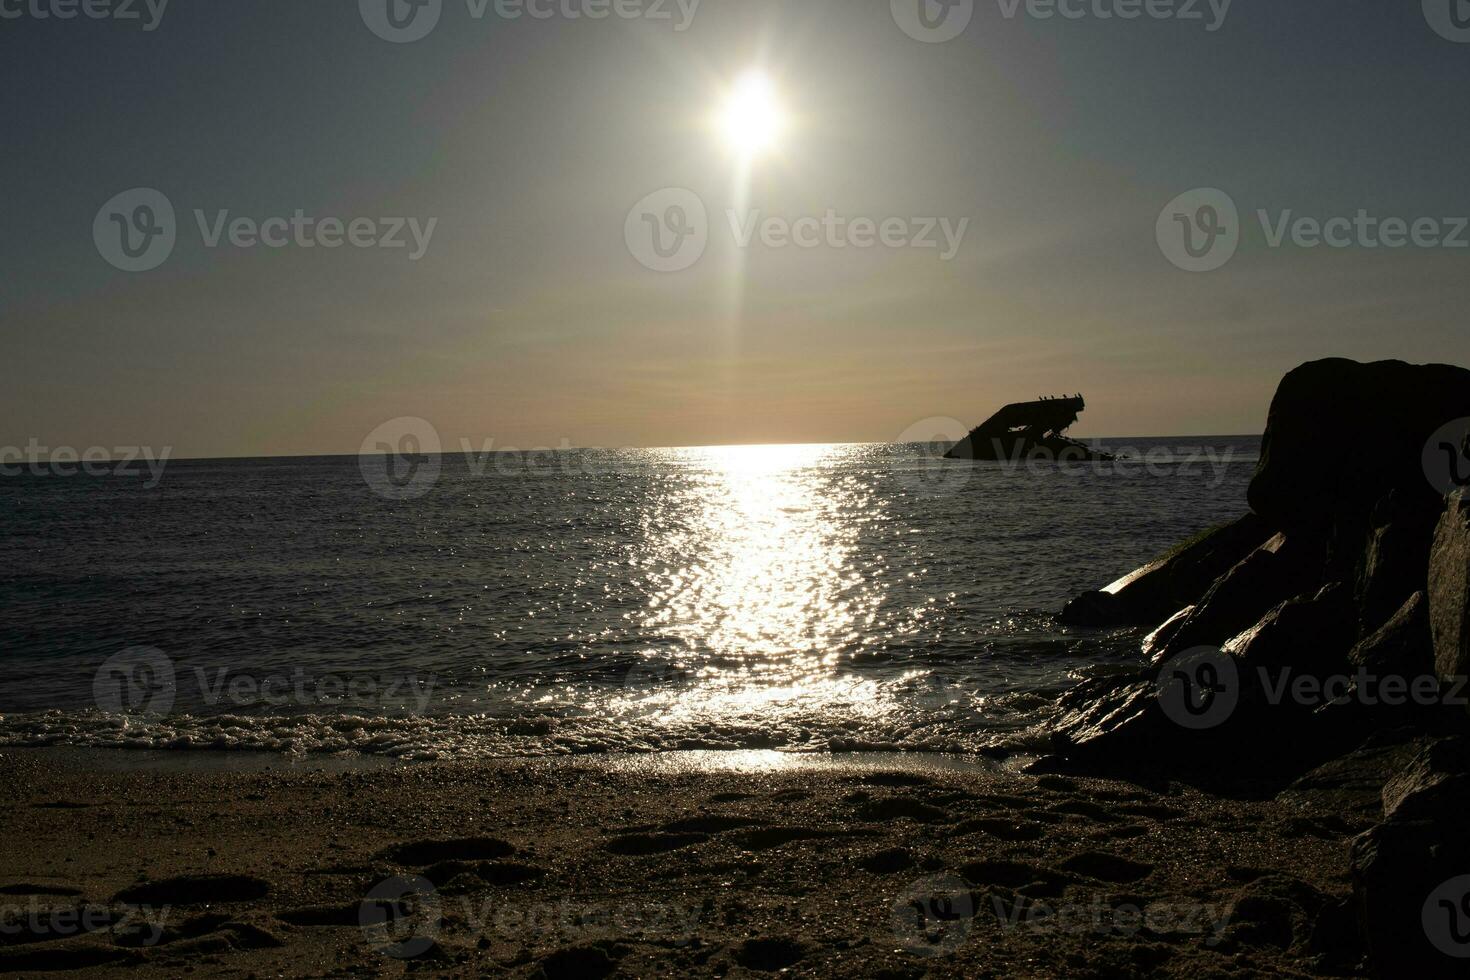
(529, 323)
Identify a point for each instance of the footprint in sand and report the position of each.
(770, 955)
(1001, 828)
(887, 862)
(1107, 867)
(195, 890)
(766, 838)
(1011, 874)
(62, 891)
(579, 963)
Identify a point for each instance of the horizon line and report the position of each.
(574, 449)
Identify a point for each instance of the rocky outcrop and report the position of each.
(1278, 571)
(1364, 581)
(1342, 435)
(1154, 643)
(1169, 583)
(1096, 608)
(1410, 888)
(1402, 646)
(1322, 576)
(1308, 634)
(1437, 780)
(1395, 558)
(1449, 589)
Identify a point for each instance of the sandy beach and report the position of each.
(681, 864)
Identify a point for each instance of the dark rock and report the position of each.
(1341, 435)
(1155, 643)
(1094, 609)
(1309, 635)
(1119, 727)
(1395, 563)
(1122, 711)
(1434, 785)
(1335, 939)
(1449, 589)
(1281, 569)
(1351, 785)
(1275, 910)
(1397, 867)
(1402, 647)
(1177, 579)
(1404, 867)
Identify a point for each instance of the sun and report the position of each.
(751, 119)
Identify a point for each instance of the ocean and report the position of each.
(833, 598)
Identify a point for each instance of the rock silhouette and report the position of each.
(1352, 567)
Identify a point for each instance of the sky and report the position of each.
(532, 316)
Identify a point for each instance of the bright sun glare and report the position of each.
(751, 119)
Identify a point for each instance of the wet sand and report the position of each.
(691, 863)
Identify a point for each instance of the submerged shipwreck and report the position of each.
(1029, 430)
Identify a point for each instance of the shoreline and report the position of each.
(667, 865)
(122, 759)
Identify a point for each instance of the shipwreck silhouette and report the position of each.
(1029, 430)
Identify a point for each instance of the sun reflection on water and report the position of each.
(753, 574)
